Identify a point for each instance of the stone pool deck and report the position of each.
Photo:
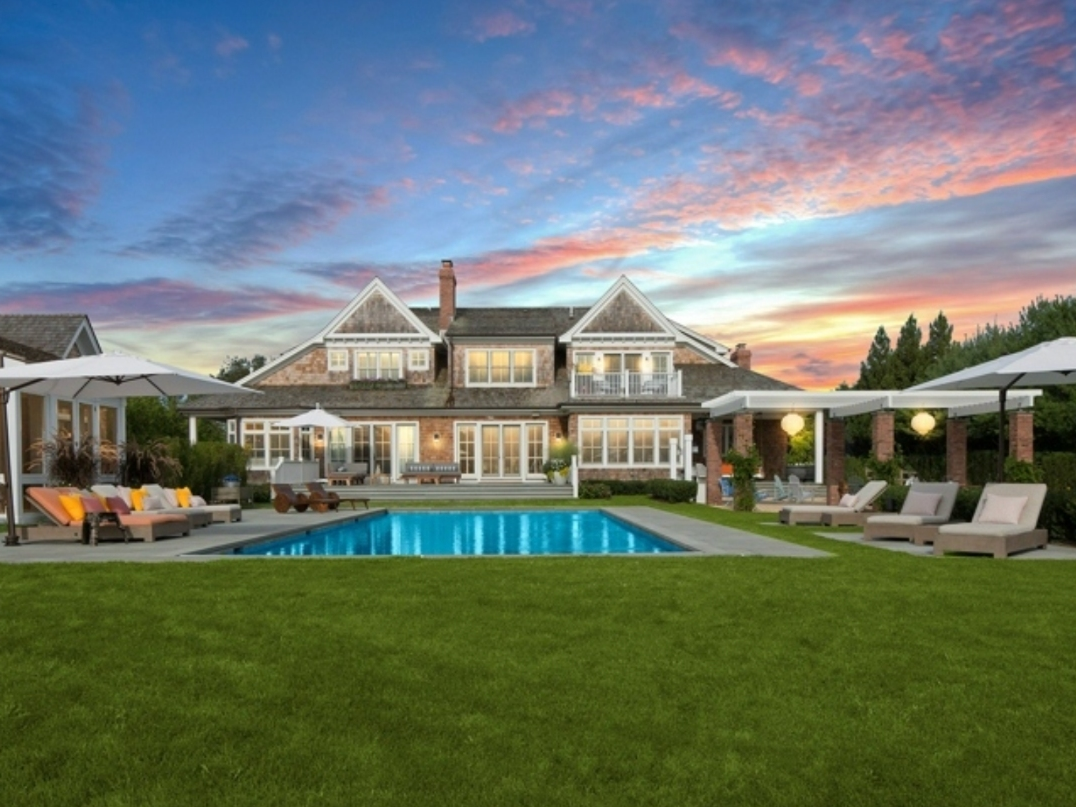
(702, 537)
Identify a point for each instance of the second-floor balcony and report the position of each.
(626, 385)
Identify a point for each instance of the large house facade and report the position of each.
(494, 390)
(31, 419)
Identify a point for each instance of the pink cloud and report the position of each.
(230, 45)
(500, 24)
(534, 109)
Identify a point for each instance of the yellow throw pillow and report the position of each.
(183, 495)
(137, 495)
(73, 505)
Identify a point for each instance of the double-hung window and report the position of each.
(500, 367)
(378, 364)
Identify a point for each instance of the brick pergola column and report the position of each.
(834, 470)
(883, 443)
(1022, 436)
(956, 451)
(773, 447)
(711, 449)
(743, 431)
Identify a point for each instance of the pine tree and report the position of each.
(939, 342)
(907, 358)
(874, 372)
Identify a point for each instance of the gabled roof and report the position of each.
(394, 318)
(61, 336)
(23, 352)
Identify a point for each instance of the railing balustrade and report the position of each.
(626, 385)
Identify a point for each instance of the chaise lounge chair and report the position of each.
(1004, 522)
(927, 506)
(838, 515)
(285, 498)
(318, 492)
(144, 526)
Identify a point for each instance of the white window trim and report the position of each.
(418, 360)
(656, 463)
(335, 363)
(380, 374)
(511, 363)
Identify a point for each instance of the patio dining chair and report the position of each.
(780, 492)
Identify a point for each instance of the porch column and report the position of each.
(882, 440)
(192, 429)
(1022, 436)
(711, 447)
(773, 447)
(956, 451)
(819, 447)
(834, 479)
(743, 432)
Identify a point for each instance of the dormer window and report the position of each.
(497, 368)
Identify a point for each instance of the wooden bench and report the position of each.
(348, 473)
(431, 472)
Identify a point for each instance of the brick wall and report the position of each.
(956, 450)
(883, 443)
(772, 444)
(743, 432)
(1022, 436)
(712, 449)
(834, 450)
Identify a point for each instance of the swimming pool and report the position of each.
(471, 532)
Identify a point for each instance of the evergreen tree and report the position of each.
(874, 373)
(939, 343)
(239, 367)
(907, 358)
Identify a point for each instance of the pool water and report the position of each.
(500, 532)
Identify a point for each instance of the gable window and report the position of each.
(337, 361)
(500, 367)
(376, 364)
(418, 360)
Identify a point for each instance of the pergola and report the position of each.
(756, 420)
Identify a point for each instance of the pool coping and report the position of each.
(701, 538)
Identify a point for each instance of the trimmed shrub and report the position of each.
(673, 490)
(627, 487)
(594, 490)
(206, 465)
(261, 493)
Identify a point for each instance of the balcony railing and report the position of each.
(626, 385)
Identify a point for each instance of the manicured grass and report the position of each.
(868, 678)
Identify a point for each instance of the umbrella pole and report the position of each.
(1001, 433)
(9, 494)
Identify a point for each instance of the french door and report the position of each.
(501, 451)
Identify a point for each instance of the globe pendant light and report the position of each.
(792, 424)
(923, 424)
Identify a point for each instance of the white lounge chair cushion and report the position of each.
(979, 528)
(921, 504)
(1002, 509)
(904, 519)
(153, 503)
(170, 497)
(847, 500)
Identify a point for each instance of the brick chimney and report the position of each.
(741, 356)
(448, 295)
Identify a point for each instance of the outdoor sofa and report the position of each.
(64, 524)
(435, 472)
(1005, 521)
(852, 512)
(167, 501)
(927, 506)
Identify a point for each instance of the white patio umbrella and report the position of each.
(102, 375)
(1044, 365)
(317, 418)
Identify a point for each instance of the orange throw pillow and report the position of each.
(73, 505)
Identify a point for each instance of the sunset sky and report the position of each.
(207, 179)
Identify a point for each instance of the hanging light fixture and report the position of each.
(792, 424)
(923, 424)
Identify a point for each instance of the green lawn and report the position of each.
(868, 678)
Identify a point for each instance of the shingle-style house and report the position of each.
(30, 338)
(492, 389)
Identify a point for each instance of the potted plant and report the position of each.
(558, 465)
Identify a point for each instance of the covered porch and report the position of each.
(756, 419)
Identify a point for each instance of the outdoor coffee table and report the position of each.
(91, 527)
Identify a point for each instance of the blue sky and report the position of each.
(213, 179)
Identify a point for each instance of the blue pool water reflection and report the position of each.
(501, 532)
